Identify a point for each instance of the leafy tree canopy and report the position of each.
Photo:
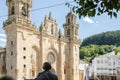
(117, 50)
(87, 53)
(92, 8)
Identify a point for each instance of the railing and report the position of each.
(19, 20)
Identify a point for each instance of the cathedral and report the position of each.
(28, 47)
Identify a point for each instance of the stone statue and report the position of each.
(25, 10)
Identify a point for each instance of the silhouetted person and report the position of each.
(46, 74)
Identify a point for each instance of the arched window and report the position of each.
(68, 32)
(52, 29)
(68, 21)
(13, 10)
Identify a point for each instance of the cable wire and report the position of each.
(55, 5)
(52, 6)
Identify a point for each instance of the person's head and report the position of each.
(46, 66)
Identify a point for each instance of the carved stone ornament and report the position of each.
(51, 57)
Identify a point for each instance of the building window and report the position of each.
(64, 67)
(114, 69)
(114, 63)
(24, 48)
(24, 66)
(98, 62)
(68, 21)
(76, 32)
(24, 57)
(101, 61)
(52, 29)
(11, 67)
(68, 32)
(105, 61)
(13, 10)
(33, 73)
(11, 42)
(11, 53)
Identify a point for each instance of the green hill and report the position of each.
(105, 38)
(99, 44)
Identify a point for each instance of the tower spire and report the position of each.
(71, 27)
(50, 15)
(71, 10)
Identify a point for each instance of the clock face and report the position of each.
(51, 57)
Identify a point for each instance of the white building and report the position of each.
(118, 66)
(105, 65)
(83, 67)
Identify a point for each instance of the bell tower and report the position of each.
(18, 8)
(73, 44)
(20, 35)
(70, 27)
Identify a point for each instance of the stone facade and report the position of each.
(28, 48)
(2, 61)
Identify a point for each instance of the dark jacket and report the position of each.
(46, 75)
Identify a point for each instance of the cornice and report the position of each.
(62, 39)
(25, 27)
(71, 24)
(76, 41)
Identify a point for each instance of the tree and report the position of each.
(117, 50)
(89, 52)
(92, 8)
